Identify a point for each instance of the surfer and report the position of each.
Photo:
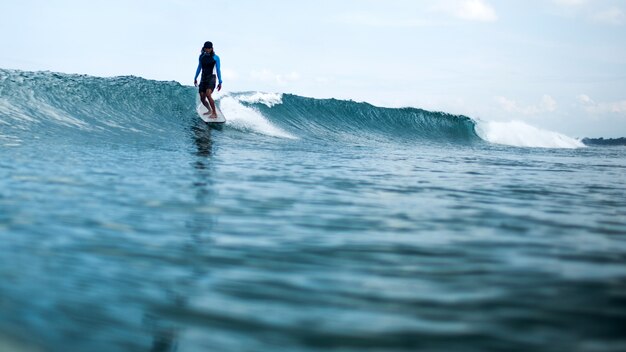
(206, 63)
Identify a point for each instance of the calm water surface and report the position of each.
(225, 240)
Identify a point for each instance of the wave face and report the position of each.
(40, 104)
(132, 107)
(341, 119)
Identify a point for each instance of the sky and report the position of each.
(554, 64)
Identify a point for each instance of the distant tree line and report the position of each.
(603, 141)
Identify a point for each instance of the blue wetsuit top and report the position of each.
(207, 75)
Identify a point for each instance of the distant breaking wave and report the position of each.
(45, 103)
(520, 134)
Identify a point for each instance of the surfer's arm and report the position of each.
(218, 69)
(195, 78)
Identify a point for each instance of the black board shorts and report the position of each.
(204, 85)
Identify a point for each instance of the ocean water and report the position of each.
(128, 224)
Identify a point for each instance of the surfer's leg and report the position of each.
(212, 103)
(205, 103)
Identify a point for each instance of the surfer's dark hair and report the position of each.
(208, 45)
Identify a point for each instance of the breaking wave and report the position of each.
(46, 103)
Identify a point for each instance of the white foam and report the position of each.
(269, 99)
(520, 134)
(246, 118)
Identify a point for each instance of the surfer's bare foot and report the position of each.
(207, 113)
(213, 116)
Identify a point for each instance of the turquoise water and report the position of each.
(127, 224)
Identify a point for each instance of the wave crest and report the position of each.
(80, 104)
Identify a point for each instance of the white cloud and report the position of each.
(613, 16)
(595, 108)
(266, 75)
(585, 99)
(470, 10)
(547, 104)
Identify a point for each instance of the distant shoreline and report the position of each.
(605, 141)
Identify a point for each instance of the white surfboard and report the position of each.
(202, 110)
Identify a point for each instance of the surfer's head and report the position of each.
(208, 47)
